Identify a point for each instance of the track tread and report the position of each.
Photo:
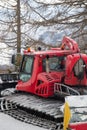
(30, 119)
(32, 109)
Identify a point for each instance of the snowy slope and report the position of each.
(9, 123)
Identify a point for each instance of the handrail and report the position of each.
(64, 89)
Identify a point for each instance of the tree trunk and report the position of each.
(18, 34)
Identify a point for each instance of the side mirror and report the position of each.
(13, 59)
(16, 59)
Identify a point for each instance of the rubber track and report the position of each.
(45, 110)
(31, 119)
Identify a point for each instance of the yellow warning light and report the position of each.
(63, 47)
(29, 50)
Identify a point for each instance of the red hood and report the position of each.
(51, 77)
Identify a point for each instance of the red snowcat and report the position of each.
(44, 75)
(59, 71)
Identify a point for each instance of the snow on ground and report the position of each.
(9, 123)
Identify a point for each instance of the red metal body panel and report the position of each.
(46, 87)
(29, 86)
(78, 126)
(70, 78)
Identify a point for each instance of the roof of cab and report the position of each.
(49, 52)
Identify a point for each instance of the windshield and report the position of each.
(26, 68)
(55, 63)
(79, 114)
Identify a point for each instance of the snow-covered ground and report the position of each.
(9, 123)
